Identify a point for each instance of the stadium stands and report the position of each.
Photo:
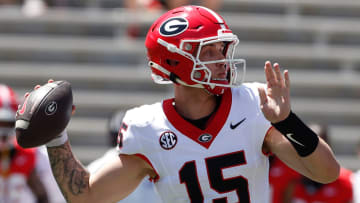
(317, 40)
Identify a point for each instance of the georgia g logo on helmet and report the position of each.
(173, 26)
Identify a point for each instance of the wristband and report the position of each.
(302, 138)
(59, 140)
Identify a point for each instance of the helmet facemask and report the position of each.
(201, 75)
(179, 36)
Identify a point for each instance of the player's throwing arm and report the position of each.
(42, 119)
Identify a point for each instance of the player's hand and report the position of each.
(44, 115)
(275, 101)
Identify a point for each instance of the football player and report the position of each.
(17, 165)
(210, 142)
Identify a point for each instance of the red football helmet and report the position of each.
(8, 108)
(174, 43)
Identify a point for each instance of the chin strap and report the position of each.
(209, 93)
(173, 78)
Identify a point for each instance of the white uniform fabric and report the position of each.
(356, 186)
(224, 162)
(44, 172)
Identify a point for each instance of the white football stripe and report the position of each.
(22, 124)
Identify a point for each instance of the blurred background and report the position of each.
(98, 46)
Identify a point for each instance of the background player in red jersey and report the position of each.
(206, 144)
(305, 190)
(280, 176)
(17, 165)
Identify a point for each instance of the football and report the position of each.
(44, 114)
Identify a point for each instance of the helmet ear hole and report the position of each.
(226, 47)
(172, 62)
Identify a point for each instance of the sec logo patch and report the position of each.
(173, 27)
(168, 140)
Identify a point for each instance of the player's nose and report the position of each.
(222, 64)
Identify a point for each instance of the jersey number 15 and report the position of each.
(214, 165)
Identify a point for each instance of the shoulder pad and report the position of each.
(143, 115)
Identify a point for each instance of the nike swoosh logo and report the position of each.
(289, 135)
(237, 124)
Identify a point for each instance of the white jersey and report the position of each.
(356, 186)
(222, 163)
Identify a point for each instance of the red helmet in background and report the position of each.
(8, 108)
(175, 40)
(8, 104)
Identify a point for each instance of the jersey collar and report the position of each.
(214, 124)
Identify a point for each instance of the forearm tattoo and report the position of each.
(71, 176)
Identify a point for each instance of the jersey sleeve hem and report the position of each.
(267, 134)
(143, 157)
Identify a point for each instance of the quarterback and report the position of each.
(210, 142)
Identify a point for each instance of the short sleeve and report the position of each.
(250, 98)
(265, 124)
(127, 142)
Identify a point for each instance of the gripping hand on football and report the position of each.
(275, 100)
(59, 139)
